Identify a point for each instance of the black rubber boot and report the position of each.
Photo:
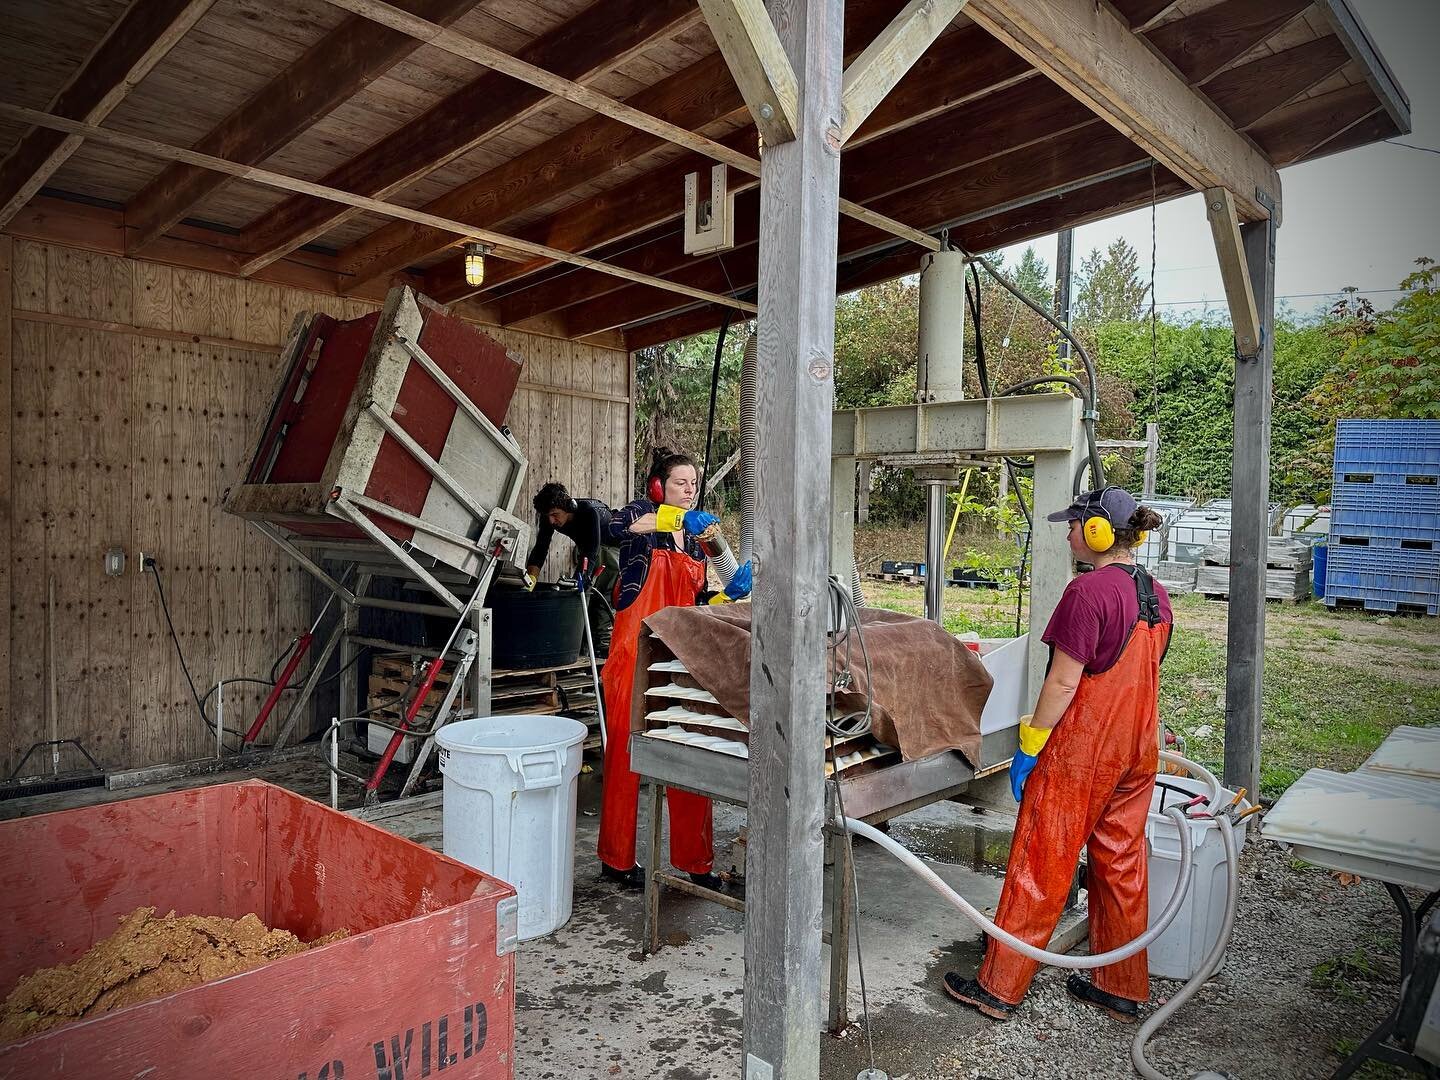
(632, 879)
(1122, 1009)
(709, 881)
(970, 992)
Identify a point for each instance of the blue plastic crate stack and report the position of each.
(1385, 516)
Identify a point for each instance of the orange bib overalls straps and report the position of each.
(673, 580)
(1091, 788)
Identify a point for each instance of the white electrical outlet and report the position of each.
(145, 561)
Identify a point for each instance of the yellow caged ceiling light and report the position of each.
(475, 263)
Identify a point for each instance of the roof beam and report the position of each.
(466, 48)
(694, 98)
(874, 73)
(752, 50)
(1234, 272)
(267, 178)
(967, 65)
(1088, 50)
(600, 38)
(330, 72)
(1356, 39)
(1143, 14)
(1248, 93)
(135, 44)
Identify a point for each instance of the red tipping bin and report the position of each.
(423, 986)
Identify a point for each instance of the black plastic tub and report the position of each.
(544, 628)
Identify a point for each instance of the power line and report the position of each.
(1412, 146)
(1288, 296)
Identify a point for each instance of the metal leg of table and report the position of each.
(841, 900)
(651, 944)
(1375, 1044)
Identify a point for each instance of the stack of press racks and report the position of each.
(1384, 551)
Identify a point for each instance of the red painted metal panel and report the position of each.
(415, 990)
(485, 373)
(315, 419)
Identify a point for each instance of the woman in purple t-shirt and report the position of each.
(1091, 788)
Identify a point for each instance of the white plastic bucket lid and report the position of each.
(507, 734)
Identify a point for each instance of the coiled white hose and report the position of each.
(1176, 816)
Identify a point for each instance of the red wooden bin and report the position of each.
(423, 986)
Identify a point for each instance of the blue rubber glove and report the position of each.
(741, 583)
(697, 521)
(1032, 741)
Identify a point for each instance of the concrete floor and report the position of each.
(589, 1004)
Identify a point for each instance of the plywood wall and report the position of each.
(132, 390)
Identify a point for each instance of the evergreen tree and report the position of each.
(1108, 287)
(1033, 277)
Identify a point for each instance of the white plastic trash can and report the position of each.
(1181, 949)
(509, 807)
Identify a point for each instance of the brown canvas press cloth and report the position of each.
(929, 689)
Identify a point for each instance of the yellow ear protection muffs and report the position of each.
(1099, 533)
(1099, 530)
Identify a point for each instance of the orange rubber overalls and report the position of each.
(674, 579)
(1090, 787)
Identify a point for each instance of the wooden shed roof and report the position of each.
(974, 139)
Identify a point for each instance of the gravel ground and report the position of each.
(1267, 1014)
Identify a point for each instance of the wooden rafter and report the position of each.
(600, 38)
(135, 44)
(1031, 173)
(746, 37)
(874, 73)
(949, 145)
(1291, 133)
(1143, 14)
(570, 90)
(329, 73)
(1251, 91)
(694, 98)
(267, 178)
(961, 69)
(1093, 54)
(1203, 44)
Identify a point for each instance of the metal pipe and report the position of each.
(334, 763)
(935, 550)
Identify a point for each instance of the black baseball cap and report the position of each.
(1114, 504)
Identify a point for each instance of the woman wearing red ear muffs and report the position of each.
(661, 565)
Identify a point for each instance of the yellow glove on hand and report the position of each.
(669, 518)
(720, 598)
(1032, 739)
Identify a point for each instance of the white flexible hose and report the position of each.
(1175, 815)
(1024, 948)
(1212, 963)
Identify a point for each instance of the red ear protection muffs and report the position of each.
(656, 490)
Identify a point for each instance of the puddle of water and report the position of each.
(973, 846)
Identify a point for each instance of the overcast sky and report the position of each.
(1359, 218)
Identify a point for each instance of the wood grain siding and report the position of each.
(133, 391)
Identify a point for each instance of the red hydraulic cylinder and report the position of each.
(393, 747)
(281, 684)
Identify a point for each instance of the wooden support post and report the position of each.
(799, 207)
(1152, 457)
(1250, 524)
(1064, 271)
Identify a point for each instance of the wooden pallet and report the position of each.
(533, 691)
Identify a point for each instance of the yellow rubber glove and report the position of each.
(669, 518)
(1032, 739)
(720, 598)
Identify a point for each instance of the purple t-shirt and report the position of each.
(1093, 619)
